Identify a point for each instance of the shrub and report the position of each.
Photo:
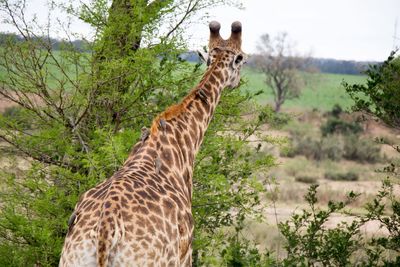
(338, 176)
(326, 148)
(295, 167)
(380, 95)
(339, 126)
(361, 150)
(336, 111)
(306, 179)
(335, 148)
(331, 148)
(16, 115)
(310, 243)
(307, 147)
(385, 208)
(278, 120)
(297, 128)
(287, 151)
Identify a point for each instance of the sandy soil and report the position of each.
(4, 104)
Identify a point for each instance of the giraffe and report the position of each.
(141, 216)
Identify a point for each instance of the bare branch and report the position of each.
(280, 66)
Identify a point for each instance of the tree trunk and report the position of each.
(278, 105)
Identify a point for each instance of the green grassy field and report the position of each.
(54, 67)
(322, 90)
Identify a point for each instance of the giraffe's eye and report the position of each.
(238, 59)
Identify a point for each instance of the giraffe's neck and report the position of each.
(204, 101)
(177, 133)
(190, 125)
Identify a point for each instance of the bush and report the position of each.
(339, 126)
(326, 148)
(306, 179)
(310, 243)
(335, 148)
(331, 148)
(287, 151)
(278, 120)
(307, 147)
(337, 176)
(16, 115)
(336, 111)
(380, 95)
(361, 150)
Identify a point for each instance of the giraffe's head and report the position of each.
(228, 52)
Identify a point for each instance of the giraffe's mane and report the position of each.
(176, 110)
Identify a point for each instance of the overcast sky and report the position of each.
(342, 29)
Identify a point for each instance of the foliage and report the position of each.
(386, 200)
(339, 126)
(317, 149)
(306, 179)
(336, 111)
(336, 125)
(337, 142)
(380, 96)
(55, 43)
(339, 66)
(16, 115)
(361, 150)
(339, 176)
(85, 111)
(335, 148)
(309, 243)
(34, 216)
(278, 120)
(240, 252)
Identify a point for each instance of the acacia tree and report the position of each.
(276, 59)
(380, 97)
(78, 114)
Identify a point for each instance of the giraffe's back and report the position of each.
(130, 220)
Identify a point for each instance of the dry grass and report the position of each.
(288, 194)
(292, 192)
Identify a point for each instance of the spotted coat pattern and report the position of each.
(141, 216)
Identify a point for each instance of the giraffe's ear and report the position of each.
(203, 57)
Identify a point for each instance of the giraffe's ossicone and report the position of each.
(141, 216)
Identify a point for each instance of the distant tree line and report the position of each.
(324, 65)
(340, 66)
(56, 44)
